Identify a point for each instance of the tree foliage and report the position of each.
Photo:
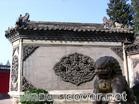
(120, 11)
(31, 97)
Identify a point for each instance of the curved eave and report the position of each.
(68, 31)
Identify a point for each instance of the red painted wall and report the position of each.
(4, 81)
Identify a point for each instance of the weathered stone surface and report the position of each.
(38, 68)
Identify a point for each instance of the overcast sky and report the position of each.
(85, 11)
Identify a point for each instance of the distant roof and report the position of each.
(4, 67)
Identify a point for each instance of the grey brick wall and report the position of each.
(38, 67)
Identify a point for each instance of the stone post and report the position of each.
(16, 72)
(126, 73)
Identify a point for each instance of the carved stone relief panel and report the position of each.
(75, 68)
(14, 71)
(136, 71)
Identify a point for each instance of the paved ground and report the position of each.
(5, 99)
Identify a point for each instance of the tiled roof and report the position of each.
(4, 67)
(64, 31)
(77, 27)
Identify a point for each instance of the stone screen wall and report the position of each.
(41, 68)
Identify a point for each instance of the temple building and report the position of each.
(60, 56)
(4, 80)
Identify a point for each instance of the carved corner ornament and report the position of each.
(118, 51)
(26, 84)
(132, 49)
(107, 23)
(28, 50)
(23, 20)
(75, 68)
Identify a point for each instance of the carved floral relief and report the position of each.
(75, 68)
(14, 74)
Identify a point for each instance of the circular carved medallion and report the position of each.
(75, 68)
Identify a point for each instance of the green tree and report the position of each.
(120, 11)
(136, 17)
